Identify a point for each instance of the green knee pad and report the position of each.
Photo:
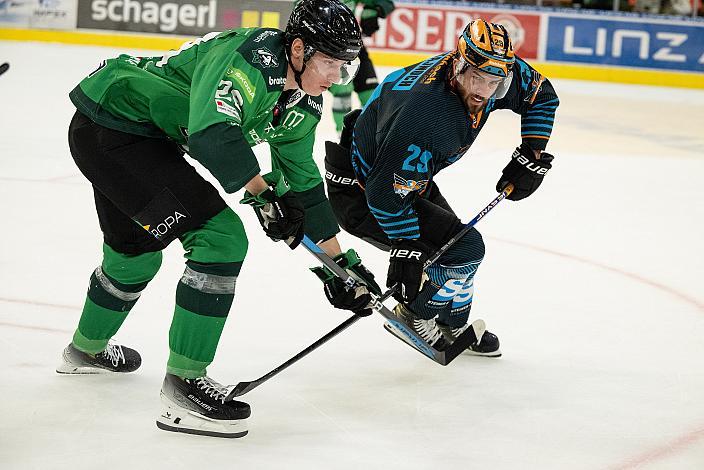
(130, 269)
(222, 239)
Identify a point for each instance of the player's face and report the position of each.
(322, 71)
(477, 87)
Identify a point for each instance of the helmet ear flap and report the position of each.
(463, 65)
(308, 52)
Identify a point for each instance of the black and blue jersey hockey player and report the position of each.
(420, 120)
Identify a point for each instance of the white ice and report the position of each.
(594, 286)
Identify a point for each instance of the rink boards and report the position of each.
(602, 46)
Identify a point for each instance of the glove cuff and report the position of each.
(276, 181)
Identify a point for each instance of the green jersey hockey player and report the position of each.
(215, 97)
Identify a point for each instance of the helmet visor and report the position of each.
(337, 72)
(483, 84)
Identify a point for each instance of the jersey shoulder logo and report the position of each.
(403, 186)
(534, 87)
(264, 57)
(313, 104)
(265, 34)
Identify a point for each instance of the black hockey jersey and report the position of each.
(414, 125)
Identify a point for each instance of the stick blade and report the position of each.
(470, 336)
(240, 389)
(409, 337)
(444, 357)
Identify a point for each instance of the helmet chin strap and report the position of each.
(297, 74)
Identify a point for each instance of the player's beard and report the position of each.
(472, 101)
(475, 103)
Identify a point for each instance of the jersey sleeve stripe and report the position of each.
(401, 222)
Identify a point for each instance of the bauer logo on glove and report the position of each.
(525, 172)
(530, 165)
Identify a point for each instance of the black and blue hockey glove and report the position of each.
(525, 172)
(278, 209)
(342, 296)
(406, 260)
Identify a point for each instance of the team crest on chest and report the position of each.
(265, 57)
(403, 186)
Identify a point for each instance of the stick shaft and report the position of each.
(440, 357)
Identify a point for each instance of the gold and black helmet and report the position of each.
(487, 46)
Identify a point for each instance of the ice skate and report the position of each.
(426, 329)
(199, 406)
(488, 344)
(115, 358)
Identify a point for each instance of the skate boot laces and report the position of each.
(212, 388)
(428, 330)
(114, 354)
(458, 331)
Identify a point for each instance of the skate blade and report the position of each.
(72, 369)
(177, 419)
(469, 352)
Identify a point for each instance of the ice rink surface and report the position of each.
(593, 285)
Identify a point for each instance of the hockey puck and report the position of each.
(4, 67)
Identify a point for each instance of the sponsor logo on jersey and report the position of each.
(293, 119)
(163, 227)
(242, 79)
(403, 187)
(226, 108)
(295, 97)
(317, 106)
(264, 57)
(433, 73)
(410, 78)
(262, 36)
(277, 81)
(255, 137)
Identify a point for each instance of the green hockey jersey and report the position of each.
(218, 96)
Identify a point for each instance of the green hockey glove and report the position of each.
(342, 296)
(278, 209)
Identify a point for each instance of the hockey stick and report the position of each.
(470, 335)
(445, 356)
